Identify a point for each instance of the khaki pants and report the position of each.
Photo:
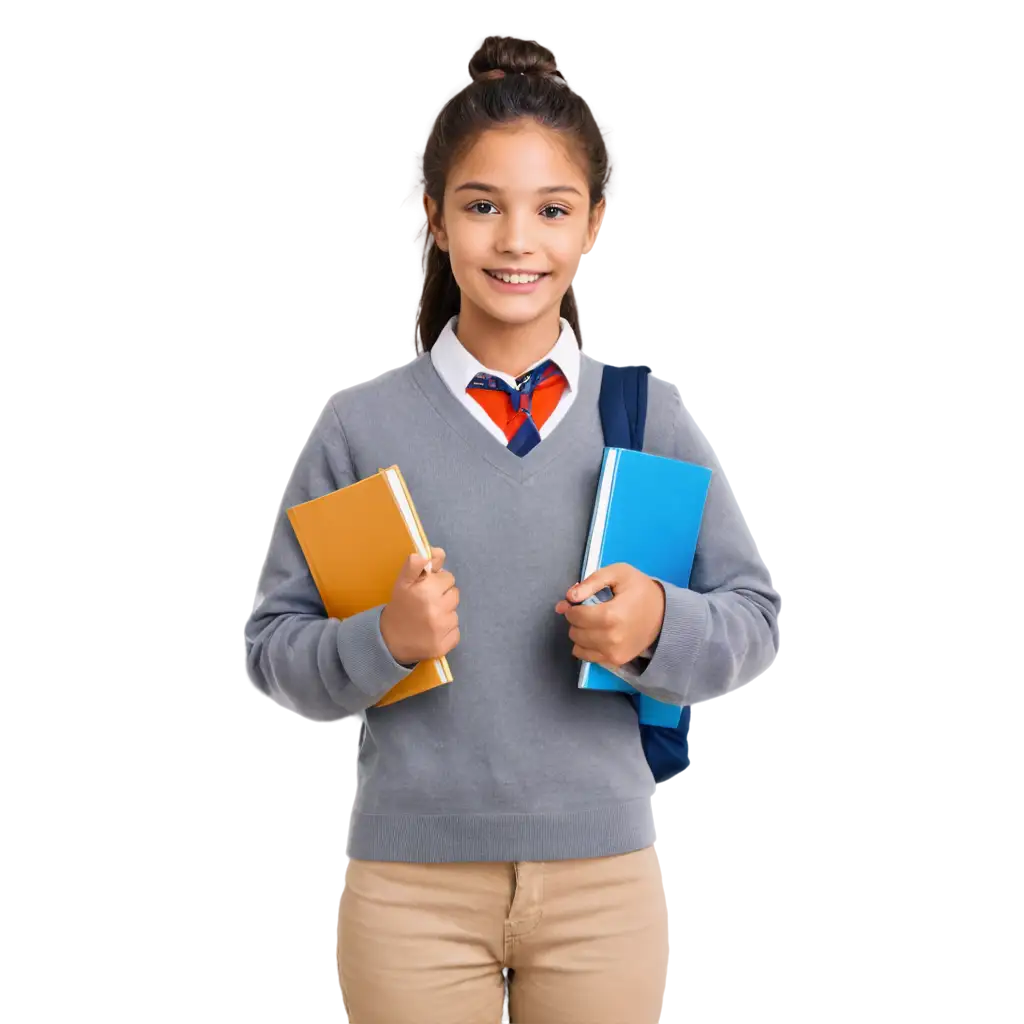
(585, 941)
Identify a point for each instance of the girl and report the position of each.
(503, 821)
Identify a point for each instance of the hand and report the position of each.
(613, 633)
(419, 622)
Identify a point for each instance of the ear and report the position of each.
(596, 218)
(434, 222)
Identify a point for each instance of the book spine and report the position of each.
(596, 535)
(608, 511)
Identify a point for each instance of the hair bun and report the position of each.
(499, 56)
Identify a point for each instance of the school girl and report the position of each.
(502, 831)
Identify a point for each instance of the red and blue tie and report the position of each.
(520, 411)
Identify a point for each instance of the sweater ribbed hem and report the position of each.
(433, 838)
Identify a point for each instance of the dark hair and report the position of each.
(512, 79)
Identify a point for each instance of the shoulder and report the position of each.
(669, 428)
(347, 407)
(675, 428)
(659, 391)
(369, 397)
(668, 395)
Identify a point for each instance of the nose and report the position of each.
(514, 235)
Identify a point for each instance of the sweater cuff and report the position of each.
(365, 656)
(666, 677)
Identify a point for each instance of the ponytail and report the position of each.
(439, 297)
(570, 311)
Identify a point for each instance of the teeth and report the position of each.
(515, 278)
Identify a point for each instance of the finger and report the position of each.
(442, 581)
(438, 582)
(587, 654)
(451, 640)
(609, 576)
(588, 638)
(415, 567)
(437, 557)
(589, 616)
(448, 624)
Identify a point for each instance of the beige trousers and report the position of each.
(585, 941)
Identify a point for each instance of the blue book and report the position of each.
(647, 512)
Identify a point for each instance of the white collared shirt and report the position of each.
(457, 366)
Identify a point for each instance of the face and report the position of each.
(515, 201)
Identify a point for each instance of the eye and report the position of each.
(559, 209)
(485, 202)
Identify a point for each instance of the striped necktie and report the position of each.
(520, 411)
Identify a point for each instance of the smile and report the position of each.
(515, 279)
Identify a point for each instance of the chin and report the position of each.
(519, 316)
(511, 312)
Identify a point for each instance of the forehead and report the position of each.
(521, 157)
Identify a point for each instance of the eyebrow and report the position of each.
(480, 186)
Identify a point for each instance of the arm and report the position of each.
(721, 631)
(322, 668)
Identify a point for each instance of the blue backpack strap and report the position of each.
(623, 405)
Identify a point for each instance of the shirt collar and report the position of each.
(457, 366)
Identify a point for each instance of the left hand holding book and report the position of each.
(614, 632)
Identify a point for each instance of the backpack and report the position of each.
(623, 408)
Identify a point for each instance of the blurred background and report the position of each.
(211, 221)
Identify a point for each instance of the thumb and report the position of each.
(418, 564)
(414, 568)
(607, 577)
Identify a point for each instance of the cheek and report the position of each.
(467, 251)
(566, 255)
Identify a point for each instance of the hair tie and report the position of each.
(500, 73)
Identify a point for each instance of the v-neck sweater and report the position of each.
(510, 761)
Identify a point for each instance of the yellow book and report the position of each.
(356, 540)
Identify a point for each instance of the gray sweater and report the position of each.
(510, 761)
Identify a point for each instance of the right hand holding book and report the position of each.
(419, 622)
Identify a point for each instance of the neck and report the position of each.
(509, 348)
